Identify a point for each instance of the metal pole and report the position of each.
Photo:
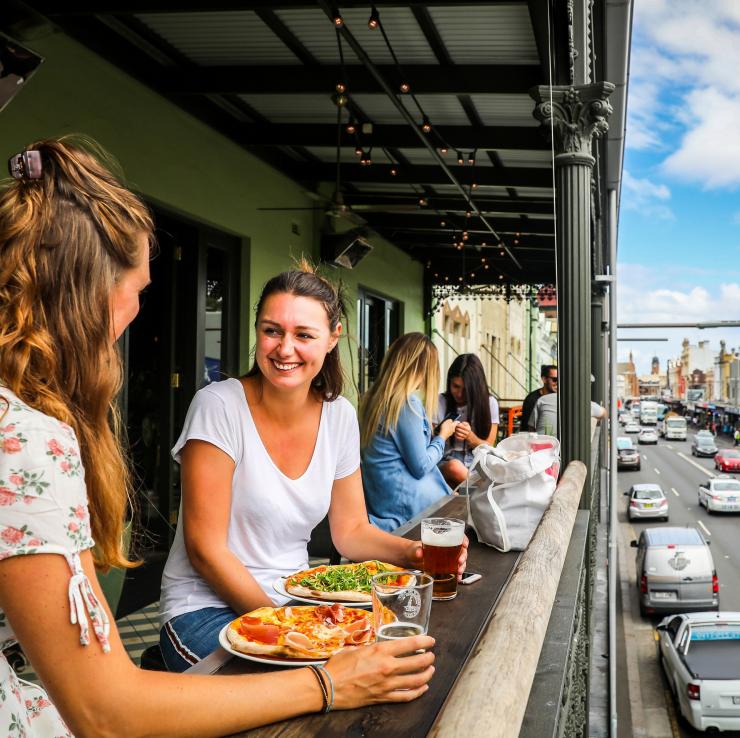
(612, 566)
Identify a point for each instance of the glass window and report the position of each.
(215, 288)
(378, 321)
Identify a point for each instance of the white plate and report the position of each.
(279, 586)
(271, 660)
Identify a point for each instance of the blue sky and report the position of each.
(679, 230)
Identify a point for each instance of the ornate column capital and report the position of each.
(575, 115)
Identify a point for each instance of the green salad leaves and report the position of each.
(355, 577)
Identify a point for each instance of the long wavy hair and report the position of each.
(477, 397)
(411, 364)
(65, 240)
(304, 281)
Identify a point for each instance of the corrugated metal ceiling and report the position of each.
(220, 38)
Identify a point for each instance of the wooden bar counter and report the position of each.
(456, 625)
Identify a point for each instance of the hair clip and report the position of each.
(26, 165)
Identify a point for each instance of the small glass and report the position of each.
(441, 542)
(402, 601)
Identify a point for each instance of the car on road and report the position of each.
(646, 501)
(632, 427)
(624, 418)
(727, 460)
(721, 494)
(675, 571)
(700, 655)
(648, 435)
(704, 433)
(628, 457)
(703, 445)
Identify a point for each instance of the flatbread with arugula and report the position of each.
(342, 582)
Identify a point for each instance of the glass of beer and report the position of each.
(441, 541)
(402, 601)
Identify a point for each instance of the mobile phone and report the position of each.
(469, 577)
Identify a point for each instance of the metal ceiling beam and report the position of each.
(432, 222)
(292, 78)
(423, 137)
(90, 7)
(431, 175)
(366, 201)
(399, 136)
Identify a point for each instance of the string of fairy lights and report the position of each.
(535, 293)
(360, 134)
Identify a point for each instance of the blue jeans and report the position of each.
(190, 637)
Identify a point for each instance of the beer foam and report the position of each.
(442, 538)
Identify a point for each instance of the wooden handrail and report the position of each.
(490, 696)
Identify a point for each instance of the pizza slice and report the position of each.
(301, 633)
(344, 582)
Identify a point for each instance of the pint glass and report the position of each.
(441, 540)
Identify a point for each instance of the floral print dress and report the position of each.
(43, 509)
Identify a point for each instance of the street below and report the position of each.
(679, 474)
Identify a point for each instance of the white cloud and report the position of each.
(690, 49)
(646, 197)
(647, 295)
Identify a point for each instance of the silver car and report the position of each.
(648, 435)
(675, 571)
(647, 501)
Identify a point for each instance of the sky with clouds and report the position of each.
(679, 229)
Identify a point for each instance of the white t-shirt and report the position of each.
(544, 417)
(454, 444)
(272, 516)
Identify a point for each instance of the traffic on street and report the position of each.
(671, 471)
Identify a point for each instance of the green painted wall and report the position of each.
(187, 167)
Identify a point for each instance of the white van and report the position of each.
(675, 571)
(674, 428)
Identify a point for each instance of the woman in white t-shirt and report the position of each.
(468, 401)
(264, 458)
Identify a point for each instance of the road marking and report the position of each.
(657, 471)
(668, 445)
(704, 528)
(644, 457)
(672, 717)
(698, 466)
(673, 489)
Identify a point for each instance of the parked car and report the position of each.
(675, 571)
(632, 427)
(647, 501)
(648, 435)
(624, 418)
(721, 494)
(700, 654)
(727, 459)
(703, 445)
(628, 457)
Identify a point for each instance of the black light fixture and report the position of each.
(394, 171)
(374, 20)
(336, 17)
(468, 213)
(474, 186)
(340, 87)
(460, 159)
(358, 150)
(426, 126)
(423, 202)
(351, 128)
(471, 158)
(405, 87)
(443, 223)
(443, 150)
(368, 157)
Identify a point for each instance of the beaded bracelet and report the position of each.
(330, 703)
(324, 691)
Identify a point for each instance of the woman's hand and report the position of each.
(416, 556)
(462, 431)
(447, 428)
(382, 672)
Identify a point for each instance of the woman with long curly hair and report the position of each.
(74, 256)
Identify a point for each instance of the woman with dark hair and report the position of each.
(468, 401)
(74, 258)
(264, 458)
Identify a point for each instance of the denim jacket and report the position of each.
(399, 470)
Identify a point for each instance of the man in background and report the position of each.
(549, 374)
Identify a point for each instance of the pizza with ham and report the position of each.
(301, 633)
(343, 582)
